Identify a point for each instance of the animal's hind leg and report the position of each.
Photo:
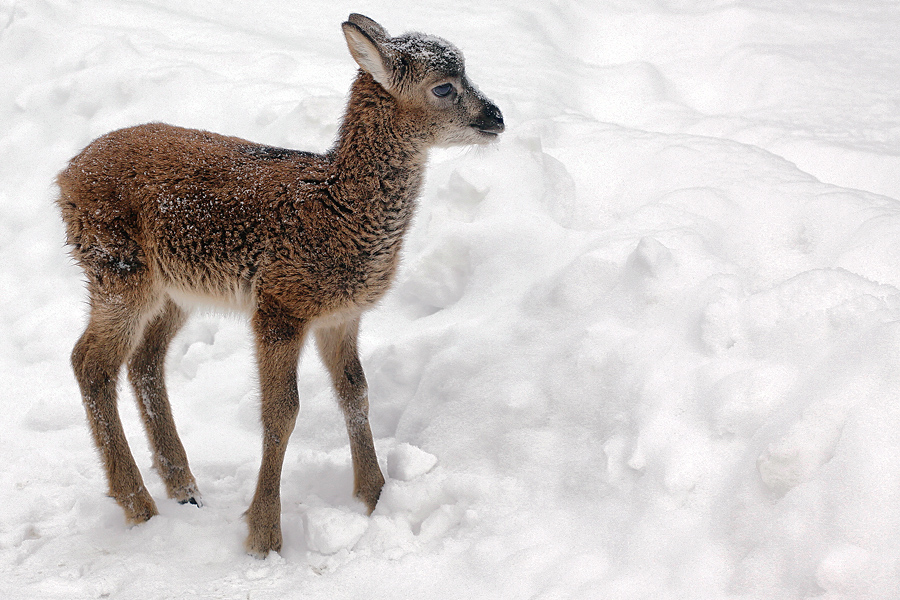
(146, 371)
(118, 312)
(338, 349)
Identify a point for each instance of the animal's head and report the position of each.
(426, 74)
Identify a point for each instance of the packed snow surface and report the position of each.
(647, 346)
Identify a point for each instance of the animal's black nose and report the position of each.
(491, 120)
(497, 116)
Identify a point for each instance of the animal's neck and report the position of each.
(381, 152)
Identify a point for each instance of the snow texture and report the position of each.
(648, 346)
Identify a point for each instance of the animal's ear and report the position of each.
(374, 30)
(368, 51)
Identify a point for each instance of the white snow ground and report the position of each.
(646, 347)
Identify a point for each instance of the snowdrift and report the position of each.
(646, 347)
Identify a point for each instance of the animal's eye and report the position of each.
(442, 91)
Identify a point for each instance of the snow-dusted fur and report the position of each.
(160, 217)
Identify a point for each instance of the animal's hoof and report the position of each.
(264, 531)
(139, 507)
(187, 494)
(259, 545)
(369, 490)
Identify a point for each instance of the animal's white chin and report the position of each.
(487, 137)
(472, 137)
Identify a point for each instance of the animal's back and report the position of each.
(197, 208)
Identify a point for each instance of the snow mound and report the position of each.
(406, 462)
(329, 530)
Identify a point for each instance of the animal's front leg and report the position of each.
(279, 338)
(338, 348)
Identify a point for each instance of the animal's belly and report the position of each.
(236, 299)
